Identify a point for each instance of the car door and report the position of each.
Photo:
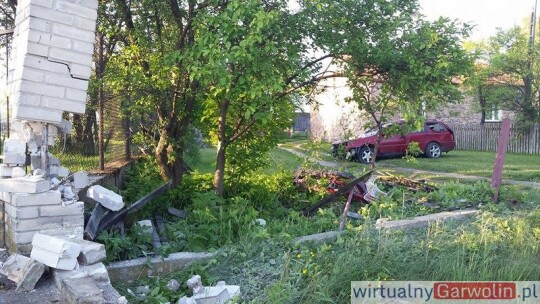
(393, 144)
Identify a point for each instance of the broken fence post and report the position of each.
(500, 156)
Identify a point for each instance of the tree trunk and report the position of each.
(377, 142)
(219, 174)
(169, 169)
(482, 101)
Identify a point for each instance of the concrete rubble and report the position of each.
(221, 293)
(105, 197)
(23, 271)
(55, 252)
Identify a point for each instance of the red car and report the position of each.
(435, 138)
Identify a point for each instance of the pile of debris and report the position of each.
(76, 266)
(221, 293)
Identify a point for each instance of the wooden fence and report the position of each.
(485, 137)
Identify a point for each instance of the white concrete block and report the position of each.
(18, 172)
(74, 33)
(83, 47)
(80, 179)
(52, 197)
(76, 95)
(89, 3)
(81, 71)
(14, 158)
(39, 25)
(22, 212)
(6, 171)
(91, 252)
(98, 272)
(76, 9)
(37, 49)
(24, 271)
(24, 112)
(14, 146)
(42, 89)
(68, 56)
(41, 63)
(44, 3)
(41, 223)
(24, 185)
(63, 105)
(31, 74)
(47, 39)
(67, 81)
(27, 99)
(55, 252)
(73, 209)
(105, 197)
(85, 24)
(62, 172)
(53, 260)
(51, 15)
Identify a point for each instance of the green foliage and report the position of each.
(136, 243)
(413, 151)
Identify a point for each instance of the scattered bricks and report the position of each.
(105, 197)
(55, 252)
(81, 290)
(51, 197)
(80, 179)
(73, 209)
(22, 212)
(60, 276)
(25, 272)
(24, 185)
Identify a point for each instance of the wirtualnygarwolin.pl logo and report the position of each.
(462, 292)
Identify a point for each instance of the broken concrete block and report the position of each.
(55, 252)
(105, 197)
(82, 290)
(91, 252)
(25, 272)
(63, 172)
(80, 179)
(35, 161)
(53, 170)
(98, 272)
(67, 193)
(18, 172)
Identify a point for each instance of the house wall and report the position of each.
(331, 117)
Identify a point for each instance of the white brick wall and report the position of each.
(53, 47)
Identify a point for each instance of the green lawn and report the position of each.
(523, 167)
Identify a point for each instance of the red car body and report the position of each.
(435, 138)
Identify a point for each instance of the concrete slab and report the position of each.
(127, 271)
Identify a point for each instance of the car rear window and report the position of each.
(437, 127)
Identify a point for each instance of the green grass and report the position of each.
(522, 167)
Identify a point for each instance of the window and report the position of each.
(437, 127)
(494, 114)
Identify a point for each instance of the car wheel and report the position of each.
(433, 150)
(364, 154)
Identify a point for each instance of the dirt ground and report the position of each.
(45, 292)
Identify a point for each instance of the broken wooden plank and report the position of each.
(339, 192)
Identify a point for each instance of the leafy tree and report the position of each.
(249, 64)
(508, 75)
(395, 61)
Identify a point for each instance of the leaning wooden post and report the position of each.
(500, 156)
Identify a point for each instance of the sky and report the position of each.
(487, 15)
